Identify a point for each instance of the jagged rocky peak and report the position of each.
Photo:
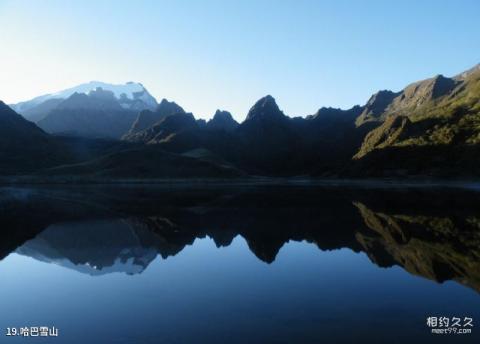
(166, 108)
(101, 93)
(174, 123)
(75, 100)
(147, 118)
(377, 103)
(326, 111)
(165, 129)
(222, 120)
(425, 90)
(265, 108)
(221, 114)
(179, 117)
(98, 99)
(335, 115)
(381, 97)
(376, 106)
(406, 102)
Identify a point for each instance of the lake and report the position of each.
(239, 263)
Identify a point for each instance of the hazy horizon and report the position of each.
(306, 54)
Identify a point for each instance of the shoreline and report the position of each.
(251, 181)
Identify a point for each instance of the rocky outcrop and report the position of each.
(147, 118)
(391, 131)
(222, 120)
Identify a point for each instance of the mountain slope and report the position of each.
(411, 100)
(98, 114)
(39, 112)
(267, 138)
(430, 128)
(147, 118)
(145, 162)
(267, 142)
(330, 138)
(439, 135)
(23, 146)
(165, 130)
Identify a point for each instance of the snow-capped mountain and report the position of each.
(131, 96)
(95, 109)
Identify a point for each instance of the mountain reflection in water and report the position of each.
(429, 232)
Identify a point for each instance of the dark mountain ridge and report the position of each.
(431, 128)
(147, 118)
(25, 147)
(222, 120)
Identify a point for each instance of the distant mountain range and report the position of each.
(430, 128)
(131, 96)
(94, 109)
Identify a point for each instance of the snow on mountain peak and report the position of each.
(129, 95)
(129, 89)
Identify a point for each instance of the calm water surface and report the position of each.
(276, 264)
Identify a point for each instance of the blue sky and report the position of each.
(227, 54)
